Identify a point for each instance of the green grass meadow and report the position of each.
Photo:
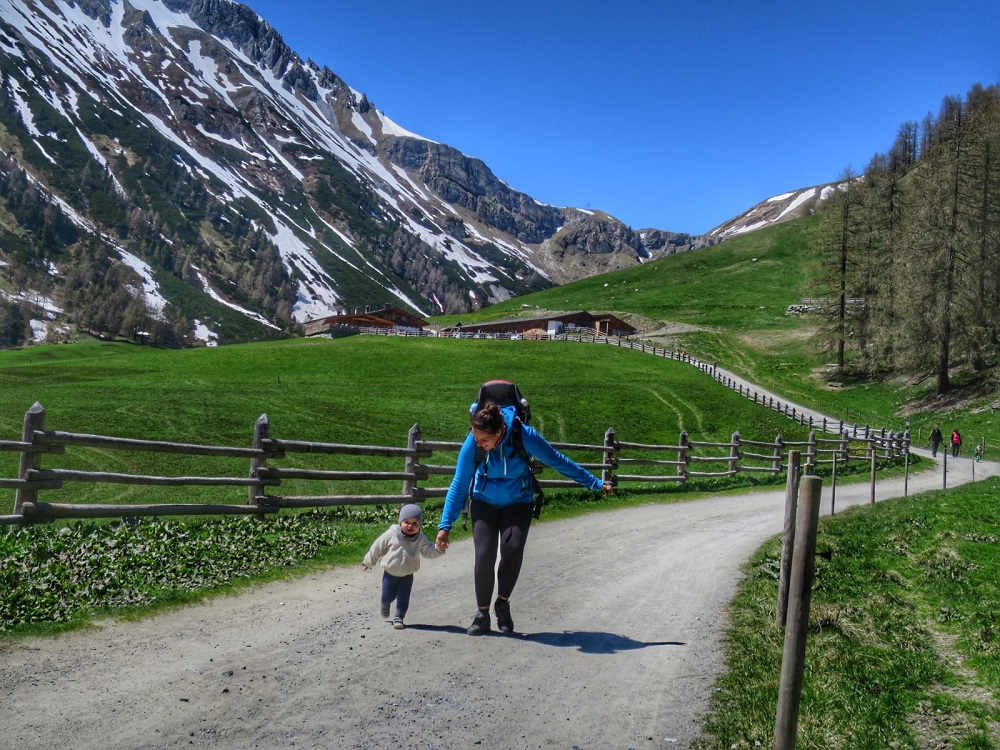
(902, 648)
(360, 390)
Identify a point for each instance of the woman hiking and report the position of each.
(502, 501)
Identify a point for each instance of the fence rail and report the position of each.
(690, 459)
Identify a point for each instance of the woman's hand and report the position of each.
(442, 540)
(607, 487)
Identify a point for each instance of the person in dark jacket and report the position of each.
(501, 505)
(936, 438)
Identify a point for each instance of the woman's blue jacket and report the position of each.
(504, 478)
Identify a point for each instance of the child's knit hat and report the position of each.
(411, 511)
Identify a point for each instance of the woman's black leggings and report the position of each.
(493, 527)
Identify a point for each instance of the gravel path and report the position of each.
(619, 618)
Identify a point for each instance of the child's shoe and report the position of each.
(397, 622)
(384, 611)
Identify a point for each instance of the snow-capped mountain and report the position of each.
(774, 210)
(172, 169)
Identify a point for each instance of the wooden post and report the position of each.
(871, 446)
(811, 453)
(610, 456)
(800, 592)
(410, 464)
(833, 486)
(906, 472)
(261, 432)
(734, 453)
(944, 471)
(778, 443)
(682, 457)
(788, 536)
(34, 420)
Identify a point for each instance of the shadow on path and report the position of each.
(593, 643)
(584, 641)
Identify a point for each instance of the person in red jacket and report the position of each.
(956, 443)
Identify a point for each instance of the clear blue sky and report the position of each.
(673, 114)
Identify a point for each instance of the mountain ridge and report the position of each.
(180, 151)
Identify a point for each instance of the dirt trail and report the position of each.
(618, 614)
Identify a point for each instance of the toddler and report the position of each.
(399, 550)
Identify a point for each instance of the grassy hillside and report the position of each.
(743, 284)
(736, 295)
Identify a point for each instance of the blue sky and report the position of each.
(677, 115)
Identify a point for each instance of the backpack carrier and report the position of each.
(505, 393)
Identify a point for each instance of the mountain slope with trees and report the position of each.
(171, 171)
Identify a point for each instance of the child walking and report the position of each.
(399, 550)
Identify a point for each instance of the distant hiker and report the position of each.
(399, 550)
(956, 443)
(936, 438)
(979, 452)
(502, 503)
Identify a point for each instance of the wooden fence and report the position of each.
(613, 459)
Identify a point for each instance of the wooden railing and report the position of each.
(686, 460)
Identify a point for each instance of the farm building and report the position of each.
(386, 317)
(604, 324)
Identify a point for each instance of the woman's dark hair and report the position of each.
(488, 419)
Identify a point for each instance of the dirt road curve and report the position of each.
(619, 622)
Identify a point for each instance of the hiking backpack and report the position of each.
(505, 393)
(502, 393)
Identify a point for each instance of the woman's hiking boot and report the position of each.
(504, 622)
(481, 623)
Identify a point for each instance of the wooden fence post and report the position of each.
(811, 449)
(833, 486)
(610, 455)
(683, 456)
(874, 455)
(261, 432)
(410, 464)
(34, 419)
(800, 592)
(734, 453)
(788, 537)
(778, 443)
